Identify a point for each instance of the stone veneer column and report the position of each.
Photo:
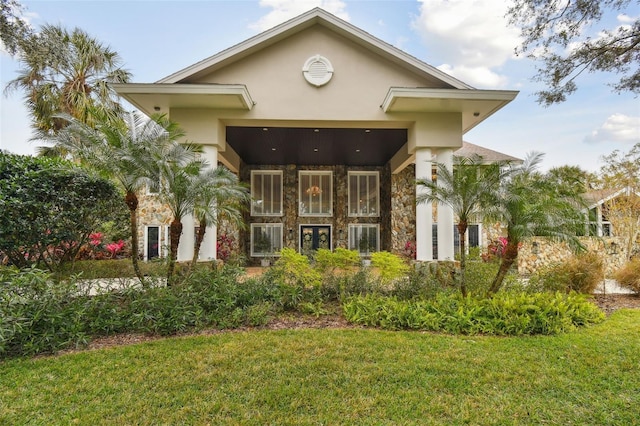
(445, 213)
(424, 211)
(208, 248)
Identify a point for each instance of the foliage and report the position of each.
(67, 72)
(295, 278)
(580, 273)
(629, 275)
(38, 314)
(121, 150)
(48, 209)
(621, 173)
(218, 195)
(13, 29)
(568, 39)
(504, 314)
(390, 266)
(340, 258)
(118, 268)
(225, 245)
(470, 189)
(530, 204)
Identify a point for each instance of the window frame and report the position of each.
(377, 192)
(274, 252)
(350, 231)
(301, 191)
(268, 173)
(146, 241)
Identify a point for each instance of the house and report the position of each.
(598, 203)
(330, 127)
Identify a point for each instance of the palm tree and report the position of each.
(179, 168)
(469, 189)
(68, 72)
(121, 150)
(530, 204)
(219, 195)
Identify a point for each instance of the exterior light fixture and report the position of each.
(476, 114)
(290, 233)
(613, 248)
(156, 108)
(535, 248)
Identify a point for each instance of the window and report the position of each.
(364, 188)
(152, 242)
(266, 239)
(602, 227)
(473, 237)
(316, 193)
(364, 238)
(266, 193)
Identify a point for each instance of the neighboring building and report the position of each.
(330, 127)
(597, 220)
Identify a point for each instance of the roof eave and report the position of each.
(474, 105)
(153, 97)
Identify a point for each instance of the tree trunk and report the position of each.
(175, 230)
(462, 232)
(509, 257)
(199, 238)
(131, 199)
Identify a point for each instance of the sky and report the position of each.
(469, 39)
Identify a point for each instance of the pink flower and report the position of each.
(95, 238)
(114, 247)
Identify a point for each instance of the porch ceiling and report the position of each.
(315, 146)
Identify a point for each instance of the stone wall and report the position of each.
(340, 219)
(547, 252)
(403, 209)
(151, 212)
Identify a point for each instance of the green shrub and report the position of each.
(421, 282)
(38, 315)
(112, 268)
(480, 275)
(580, 273)
(629, 275)
(508, 313)
(340, 258)
(340, 285)
(390, 266)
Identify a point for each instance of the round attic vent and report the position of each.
(317, 70)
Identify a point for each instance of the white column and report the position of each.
(187, 240)
(208, 248)
(445, 213)
(424, 211)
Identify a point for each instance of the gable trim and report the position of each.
(300, 23)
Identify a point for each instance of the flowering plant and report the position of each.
(224, 246)
(410, 250)
(95, 239)
(114, 248)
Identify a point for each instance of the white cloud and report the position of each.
(475, 76)
(283, 10)
(617, 128)
(468, 36)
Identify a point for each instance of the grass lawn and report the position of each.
(330, 376)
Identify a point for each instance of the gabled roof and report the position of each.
(488, 155)
(598, 197)
(300, 23)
